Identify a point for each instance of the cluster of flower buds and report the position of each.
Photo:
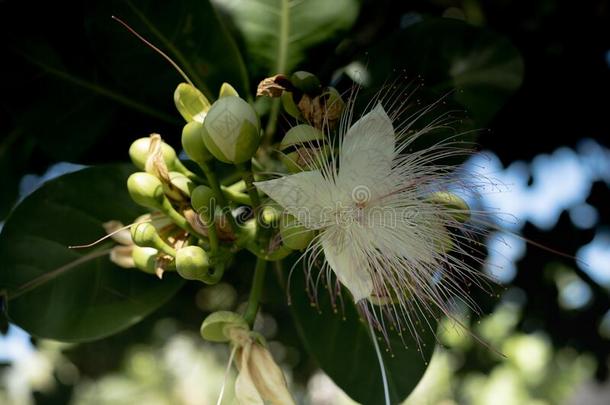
(190, 228)
(187, 225)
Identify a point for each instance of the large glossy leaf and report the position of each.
(480, 68)
(342, 346)
(278, 32)
(67, 294)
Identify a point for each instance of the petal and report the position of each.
(245, 389)
(306, 195)
(367, 149)
(268, 377)
(349, 264)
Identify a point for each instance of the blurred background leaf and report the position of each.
(278, 33)
(477, 68)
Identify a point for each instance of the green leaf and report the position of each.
(344, 350)
(278, 32)
(481, 68)
(75, 294)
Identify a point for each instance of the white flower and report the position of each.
(380, 225)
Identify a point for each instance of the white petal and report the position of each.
(350, 265)
(306, 195)
(246, 392)
(367, 150)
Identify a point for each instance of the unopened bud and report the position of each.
(232, 130)
(145, 258)
(306, 82)
(191, 103)
(146, 190)
(227, 90)
(192, 263)
(192, 142)
(203, 201)
(140, 150)
(145, 235)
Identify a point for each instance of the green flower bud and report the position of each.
(146, 190)
(217, 326)
(306, 82)
(192, 142)
(139, 151)
(145, 258)
(232, 130)
(191, 103)
(203, 201)
(192, 263)
(145, 235)
(289, 105)
(456, 206)
(294, 235)
(227, 90)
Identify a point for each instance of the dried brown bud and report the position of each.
(273, 86)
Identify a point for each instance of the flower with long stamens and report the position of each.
(386, 222)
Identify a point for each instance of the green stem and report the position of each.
(184, 170)
(236, 196)
(272, 122)
(178, 219)
(256, 291)
(212, 234)
(248, 177)
(220, 197)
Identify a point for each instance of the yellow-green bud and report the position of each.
(294, 235)
(306, 82)
(203, 201)
(146, 190)
(192, 263)
(232, 130)
(145, 258)
(216, 327)
(456, 206)
(145, 235)
(191, 103)
(192, 142)
(227, 90)
(139, 151)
